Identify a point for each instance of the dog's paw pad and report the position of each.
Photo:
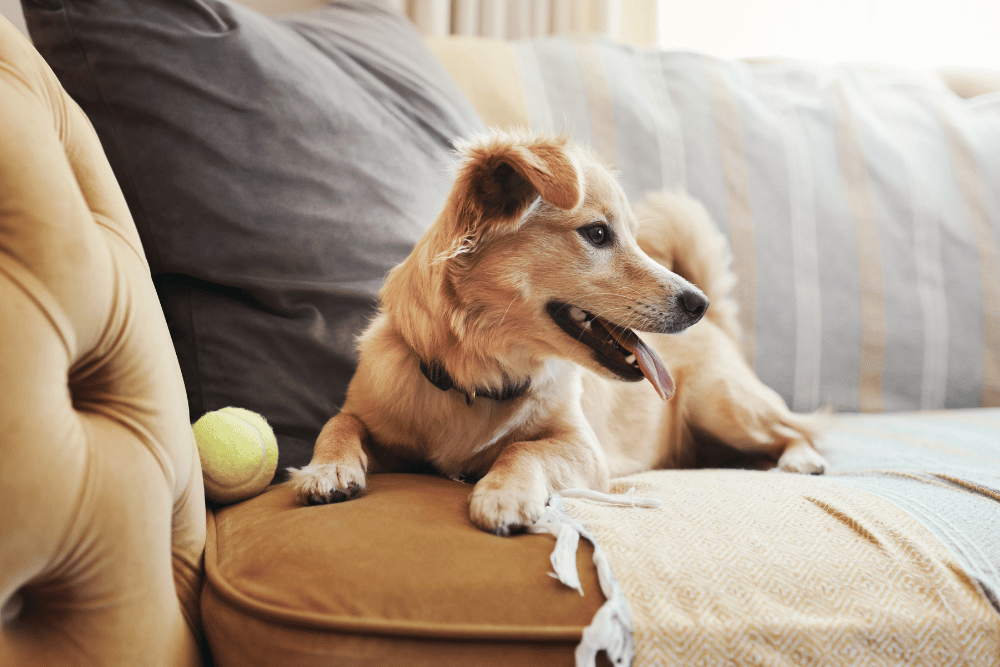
(327, 483)
(803, 459)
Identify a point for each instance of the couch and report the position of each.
(197, 205)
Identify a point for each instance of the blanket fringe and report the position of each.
(626, 499)
(611, 629)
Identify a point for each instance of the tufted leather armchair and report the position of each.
(102, 519)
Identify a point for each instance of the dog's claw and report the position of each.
(326, 484)
(335, 496)
(324, 500)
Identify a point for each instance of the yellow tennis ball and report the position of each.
(239, 454)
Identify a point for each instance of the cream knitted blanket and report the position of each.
(755, 568)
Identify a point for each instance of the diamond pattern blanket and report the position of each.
(764, 568)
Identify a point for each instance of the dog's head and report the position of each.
(539, 247)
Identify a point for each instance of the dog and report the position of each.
(507, 347)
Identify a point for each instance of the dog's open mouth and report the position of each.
(617, 348)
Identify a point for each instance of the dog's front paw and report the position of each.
(802, 458)
(503, 507)
(327, 483)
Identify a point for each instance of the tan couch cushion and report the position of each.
(102, 514)
(488, 72)
(398, 576)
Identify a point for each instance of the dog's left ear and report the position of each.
(501, 175)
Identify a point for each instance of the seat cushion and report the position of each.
(276, 169)
(398, 576)
(877, 561)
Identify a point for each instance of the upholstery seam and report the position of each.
(44, 308)
(100, 220)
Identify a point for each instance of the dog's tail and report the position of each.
(677, 231)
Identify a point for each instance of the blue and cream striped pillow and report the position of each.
(862, 205)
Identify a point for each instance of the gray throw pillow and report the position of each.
(275, 168)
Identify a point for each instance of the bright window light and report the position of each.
(914, 33)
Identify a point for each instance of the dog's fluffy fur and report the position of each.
(536, 235)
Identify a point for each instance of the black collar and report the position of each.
(438, 376)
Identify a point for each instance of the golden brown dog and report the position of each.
(506, 346)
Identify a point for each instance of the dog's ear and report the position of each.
(501, 175)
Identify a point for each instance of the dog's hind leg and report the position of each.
(726, 401)
(338, 466)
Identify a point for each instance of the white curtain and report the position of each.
(623, 20)
(507, 18)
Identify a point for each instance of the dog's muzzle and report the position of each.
(618, 349)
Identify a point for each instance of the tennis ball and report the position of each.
(239, 454)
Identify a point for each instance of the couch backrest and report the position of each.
(102, 516)
(862, 203)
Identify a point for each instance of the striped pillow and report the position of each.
(862, 204)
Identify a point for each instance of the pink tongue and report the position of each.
(649, 363)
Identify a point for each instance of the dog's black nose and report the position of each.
(694, 303)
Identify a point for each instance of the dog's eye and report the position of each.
(598, 234)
